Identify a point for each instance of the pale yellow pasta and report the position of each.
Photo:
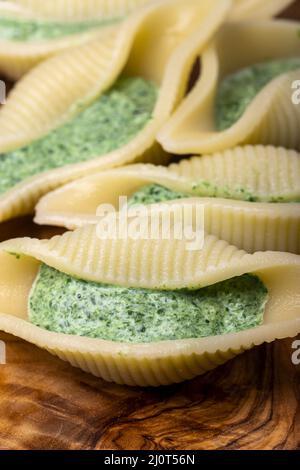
(263, 172)
(78, 10)
(153, 264)
(18, 57)
(271, 118)
(145, 45)
(257, 9)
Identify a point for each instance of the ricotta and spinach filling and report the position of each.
(32, 30)
(155, 193)
(63, 304)
(109, 123)
(238, 90)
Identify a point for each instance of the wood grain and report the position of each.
(252, 402)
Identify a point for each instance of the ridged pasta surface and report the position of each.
(152, 263)
(78, 10)
(54, 91)
(262, 170)
(264, 173)
(18, 57)
(149, 263)
(271, 117)
(49, 94)
(164, 265)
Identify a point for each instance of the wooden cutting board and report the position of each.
(252, 402)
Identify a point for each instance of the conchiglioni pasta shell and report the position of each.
(79, 10)
(17, 57)
(271, 118)
(76, 9)
(251, 226)
(257, 9)
(145, 45)
(151, 264)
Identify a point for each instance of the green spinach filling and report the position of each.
(106, 125)
(16, 29)
(238, 90)
(63, 304)
(155, 193)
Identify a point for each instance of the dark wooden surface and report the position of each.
(251, 402)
